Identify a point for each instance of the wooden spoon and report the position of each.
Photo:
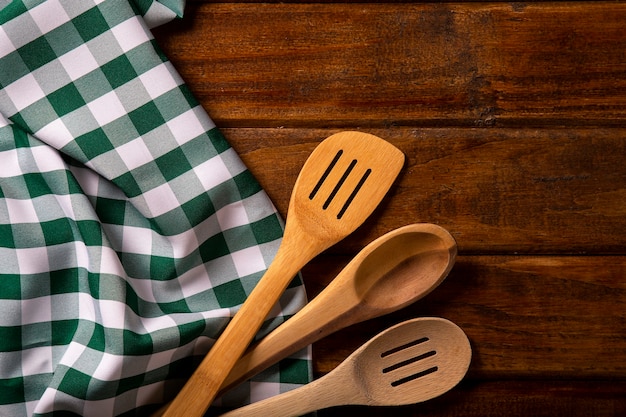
(411, 362)
(339, 186)
(390, 273)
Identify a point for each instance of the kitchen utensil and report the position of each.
(411, 362)
(390, 273)
(339, 186)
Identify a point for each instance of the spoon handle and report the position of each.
(333, 309)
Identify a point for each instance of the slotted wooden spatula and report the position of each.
(411, 362)
(339, 186)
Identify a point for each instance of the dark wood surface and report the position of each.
(513, 120)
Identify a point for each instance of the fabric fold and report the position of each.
(130, 230)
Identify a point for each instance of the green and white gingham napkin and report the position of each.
(130, 231)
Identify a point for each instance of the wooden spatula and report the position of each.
(409, 363)
(339, 186)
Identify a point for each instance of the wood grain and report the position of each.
(496, 190)
(494, 64)
(527, 316)
(546, 398)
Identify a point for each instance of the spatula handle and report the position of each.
(291, 403)
(333, 389)
(201, 389)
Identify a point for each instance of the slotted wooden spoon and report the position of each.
(339, 186)
(411, 362)
(390, 273)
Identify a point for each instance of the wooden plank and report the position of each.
(495, 190)
(547, 398)
(466, 64)
(526, 316)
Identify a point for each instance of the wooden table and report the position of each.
(513, 120)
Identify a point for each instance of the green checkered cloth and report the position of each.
(130, 231)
